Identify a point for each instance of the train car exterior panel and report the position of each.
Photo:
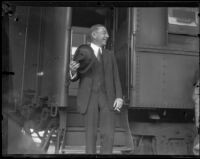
(167, 80)
(163, 62)
(56, 54)
(18, 34)
(151, 26)
(184, 42)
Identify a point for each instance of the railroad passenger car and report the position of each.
(157, 52)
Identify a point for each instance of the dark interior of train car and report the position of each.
(88, 16)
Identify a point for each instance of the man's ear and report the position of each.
(94, 35)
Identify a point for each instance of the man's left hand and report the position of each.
(118, 103)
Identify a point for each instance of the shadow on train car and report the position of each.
(14, 141)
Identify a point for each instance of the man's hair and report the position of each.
(94, 28)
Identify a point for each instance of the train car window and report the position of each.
(183, 21)
(183, 28)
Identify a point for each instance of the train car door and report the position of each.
(122, 50)
(75, 123)
(80, 27)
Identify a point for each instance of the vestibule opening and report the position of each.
(85, 17)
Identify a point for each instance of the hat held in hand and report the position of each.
(85, 56)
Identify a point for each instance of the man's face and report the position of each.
(100, 36)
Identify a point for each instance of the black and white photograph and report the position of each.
(99, 79)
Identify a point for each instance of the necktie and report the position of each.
(99, 55)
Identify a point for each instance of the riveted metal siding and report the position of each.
(165, 80)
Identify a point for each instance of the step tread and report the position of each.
(82, 129)
(81, 149)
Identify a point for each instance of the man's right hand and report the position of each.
(74, 66)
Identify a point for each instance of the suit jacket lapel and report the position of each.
(105, 58)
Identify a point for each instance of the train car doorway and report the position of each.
(38, 46)
(116, 21)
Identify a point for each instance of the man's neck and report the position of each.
(96, 44)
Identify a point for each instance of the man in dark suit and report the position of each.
(99, 94)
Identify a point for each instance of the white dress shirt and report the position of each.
(96, 48)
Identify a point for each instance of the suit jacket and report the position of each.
(112, 82)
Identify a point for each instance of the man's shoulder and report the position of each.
(109, 51)
(84, 45)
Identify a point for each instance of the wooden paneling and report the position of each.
(76, 136)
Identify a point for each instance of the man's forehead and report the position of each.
(99, 28)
